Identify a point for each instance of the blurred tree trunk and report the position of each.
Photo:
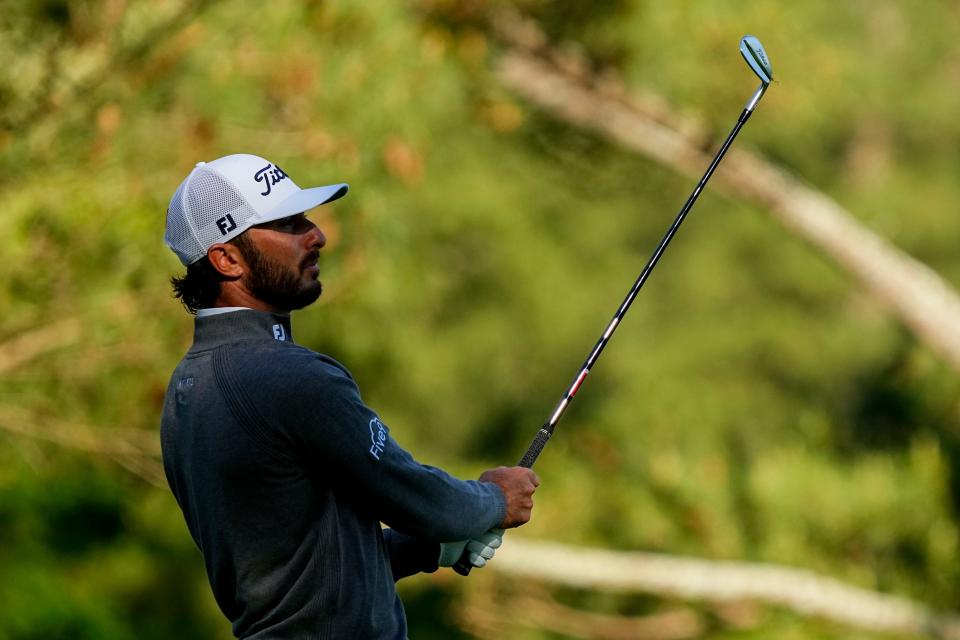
(560, 84)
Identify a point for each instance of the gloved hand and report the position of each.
(480, 548)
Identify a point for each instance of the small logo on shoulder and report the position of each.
(184, 385)
(278, 332)
(378, 438)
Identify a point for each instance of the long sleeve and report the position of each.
(409, 555)
(315, 409)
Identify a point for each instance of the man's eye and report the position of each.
(286, 224)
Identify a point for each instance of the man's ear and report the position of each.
(227, 259)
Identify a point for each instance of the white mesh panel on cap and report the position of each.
(205, 210)
(179, 235)
(218, 211)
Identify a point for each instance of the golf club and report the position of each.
(752, 51)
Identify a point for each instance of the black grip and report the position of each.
(463, 565)
(533, 451)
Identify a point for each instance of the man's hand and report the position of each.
(518, 485)
(480, 549)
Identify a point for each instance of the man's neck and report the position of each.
(235, 294)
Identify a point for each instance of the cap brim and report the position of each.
(304, 200)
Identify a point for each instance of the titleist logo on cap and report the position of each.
(269, 176)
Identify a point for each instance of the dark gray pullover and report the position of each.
(284, 476)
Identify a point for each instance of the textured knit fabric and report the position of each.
(284, 477)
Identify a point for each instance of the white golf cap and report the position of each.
(221, 199)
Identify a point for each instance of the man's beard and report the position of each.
(277, 285)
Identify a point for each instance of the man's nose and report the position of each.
(316, 237)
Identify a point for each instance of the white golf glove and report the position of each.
(480, 549)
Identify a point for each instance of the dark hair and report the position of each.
(199, 287)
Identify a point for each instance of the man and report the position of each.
(283, 474)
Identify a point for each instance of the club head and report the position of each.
(752, 51)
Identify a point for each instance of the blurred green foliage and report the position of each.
(755, 405)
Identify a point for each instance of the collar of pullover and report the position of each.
(236, 326)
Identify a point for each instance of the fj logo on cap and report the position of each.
(269, 176)
(278, 332)
(226, 224)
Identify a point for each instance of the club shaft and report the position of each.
(463, 566)
(533, 452)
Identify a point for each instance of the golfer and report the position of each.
(283, 474)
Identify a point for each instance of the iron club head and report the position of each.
(752, 51)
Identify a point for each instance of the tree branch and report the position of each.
(21, 348)
(137, 450)
(922, 301)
